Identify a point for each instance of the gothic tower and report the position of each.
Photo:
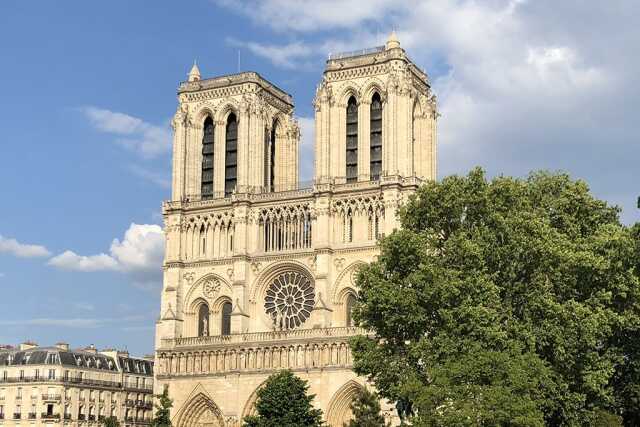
(259, 273)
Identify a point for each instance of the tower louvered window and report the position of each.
(267, 156)
(352, 140)
(272, 159)
(207, 159)
(231, 155)
(375, 165)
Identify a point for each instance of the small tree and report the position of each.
(366, 410)
(162, 418)
(111, 422)
(284, 402)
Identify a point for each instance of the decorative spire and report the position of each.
(393, 41)
(194, 74)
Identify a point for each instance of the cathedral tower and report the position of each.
(258, 272)
(375, 117)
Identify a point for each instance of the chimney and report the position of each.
(62, 346)
(28, 345)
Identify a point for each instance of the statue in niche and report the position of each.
(205, 327)
(278, 320)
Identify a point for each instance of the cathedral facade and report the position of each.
(259, 268)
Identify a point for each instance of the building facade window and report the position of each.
(272, 159)
(352, 140)
(231, 155)
(207, 159)
(351, 301)
(375, 142)
(203, 320)
(225, 327)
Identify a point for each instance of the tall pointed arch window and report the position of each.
(352, 140)
(375, 164)
(272, 158)
(231, 155)
(207, 159)
(415, 131)
(350, 303)
(267, 151)
(203, 320)
(225, 327)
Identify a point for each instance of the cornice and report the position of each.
(233, 84)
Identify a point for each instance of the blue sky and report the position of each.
(89, 89)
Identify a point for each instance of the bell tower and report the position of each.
(375, 117)
(233, 134)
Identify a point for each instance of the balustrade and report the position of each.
(302, 348)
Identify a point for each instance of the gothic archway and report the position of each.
(200, 411)
(250, 405)
(339, 409)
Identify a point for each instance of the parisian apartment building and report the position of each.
(58, 386)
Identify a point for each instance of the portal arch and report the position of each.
(200, 411)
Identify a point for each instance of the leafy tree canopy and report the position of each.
(283, 402)
(505, 302)
(366, 410)
(163, 410)
(111, 422)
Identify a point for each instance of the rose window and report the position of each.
(289, 300)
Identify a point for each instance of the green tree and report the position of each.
(505, 302)
(163, 410)
(111, 422)
(366, 410)
(283, 402)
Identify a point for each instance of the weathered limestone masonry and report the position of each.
(259, 269)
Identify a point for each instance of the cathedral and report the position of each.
(259, 268)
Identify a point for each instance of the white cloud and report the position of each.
(69, 260)
(310, 15)
(78, 322)
(22, 250)
(84, 306)
(159, 179)
(521, 85)
(291, 56)
(145, 138)
(139, 255)
(141, 250)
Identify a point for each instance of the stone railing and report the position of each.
(260, 337)
(261, 351)
(301, 189)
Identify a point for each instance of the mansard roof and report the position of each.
(74, 358)
(136, 366)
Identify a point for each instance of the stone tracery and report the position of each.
(289, 300)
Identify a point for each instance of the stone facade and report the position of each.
(259, 270)
(55, 386)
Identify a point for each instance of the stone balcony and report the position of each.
(259, 351)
